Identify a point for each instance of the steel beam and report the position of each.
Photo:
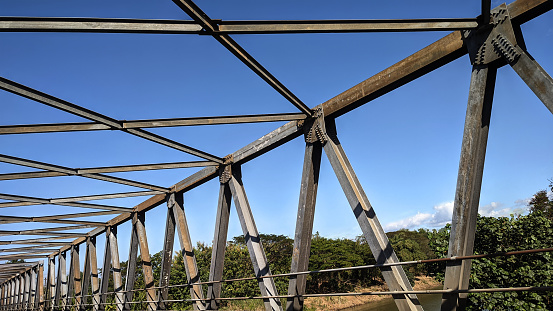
(76, 277)
(210, 26)
(61, 202)
(534, 76)
(344, 26)
(51, 283)
(219, 245)
(253, 242)
(195, 121)
(187, 251)
(94, 282)
(39, 302)
(116, 267)
(469, 181)
(395, 277)
(422, 62)
(167, 254)
(105, 272)
(26, 289)
(149, 282)
(86, 277)
(27, 92)
(61, 283)
(131, 266)
(304, 224)
(74, 172)
(97, 25)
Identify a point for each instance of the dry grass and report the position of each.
(339, 303)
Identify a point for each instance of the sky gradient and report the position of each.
(404, 146)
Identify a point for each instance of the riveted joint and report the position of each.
(225, 173)
(314, 130)
(505, 48)
(492, 41)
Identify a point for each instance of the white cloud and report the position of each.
(442, 215)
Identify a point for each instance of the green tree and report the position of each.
(506, 234)
(541, 202)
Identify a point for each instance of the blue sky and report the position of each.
(404, 146)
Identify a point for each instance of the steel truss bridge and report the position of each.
(491, 40)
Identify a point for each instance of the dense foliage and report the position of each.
(504, 234)
(326, 253)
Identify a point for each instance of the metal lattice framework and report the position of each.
(492, 40)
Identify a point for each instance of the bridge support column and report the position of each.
(304, 223)
(382, 250)
(149, 283)
(251, 235)
(51, 283)
(469, 181)
(131, 265)
(219, 240)
(167, 255)
(190, 265)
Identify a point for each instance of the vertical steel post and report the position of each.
(131, 265)
(26, 289)
(116, 267)
(219, 243)
(77, 282)
(105, 272)
(61, 283)
(39, 302)
(51, 282)
(86, 277)
(149, 282)
(70, 282)
(251, 235)
(469, 181)
(304, 224)
(21, 289)
(32, 288)
(190, 265)
(382, 250)
(167, 257)
(12, 294)
(94, 282)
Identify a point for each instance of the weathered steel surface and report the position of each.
(187, 250)
(304, 224)
(116, 267)
(61, 282)
(539, 81)
(167, 254)
(51, 282)
(253, 242)
(105, 272)
(27, 92)
(94, 282)
(467, 195)
(77, 281)
(97, 25)
(337, 26)
(372, 230)
(219, 245)
(71, 171)
(146, 261)
(131, 266)
(95, 126)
